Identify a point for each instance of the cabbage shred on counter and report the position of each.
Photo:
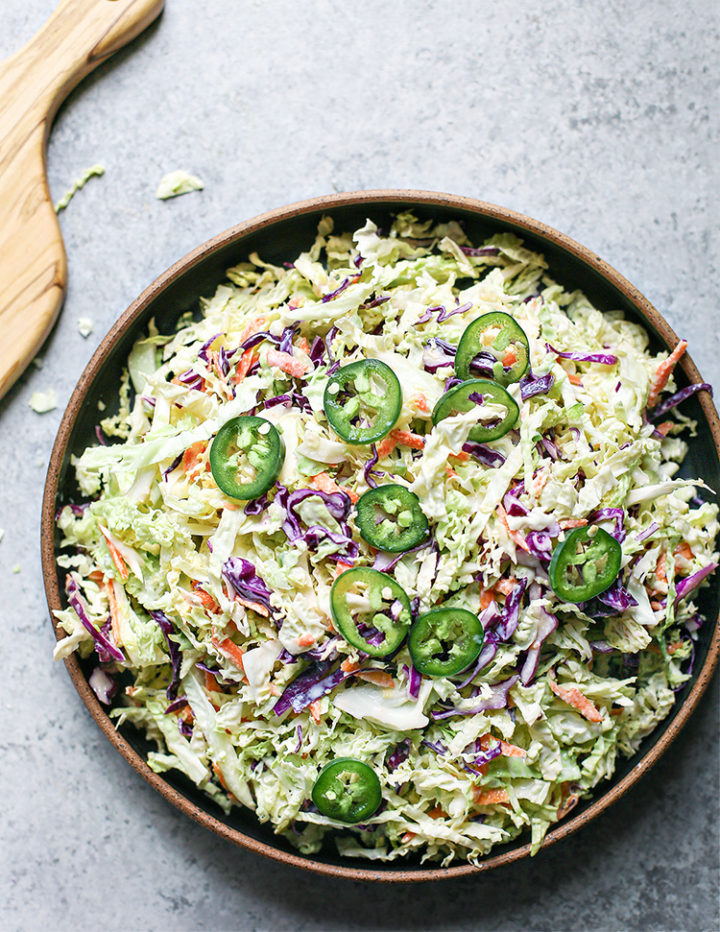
(209, 618)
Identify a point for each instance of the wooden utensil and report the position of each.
(78, 37)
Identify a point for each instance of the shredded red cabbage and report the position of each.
(400, 753)
(540, 544)
(168, 628)
(510, 614)
(310, 685)
(483, 453)
(606, 359)
(677, 398)
(687, 585)
(438, 354)
(497, 700)
(104, 647)
(242, 576)
(608, 514)
(532, 385)
(339, 290)
(546, 625)
(511, 502)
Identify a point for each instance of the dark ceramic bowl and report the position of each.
(279, 236)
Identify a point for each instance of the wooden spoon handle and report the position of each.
(79, 36)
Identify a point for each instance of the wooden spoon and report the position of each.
(78, 37)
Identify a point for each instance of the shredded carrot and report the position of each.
(515, 536)
(191, 456)
(661, 574)
(409, 439)
(656, 606)
(567, 523)
(305, 640)
(540, 481)
(114, 622)
(507, 750)
(255, 326)
(463, 456)
(684, 550)
(255, 606)
(574, 379)
(451, 472)
(303, 345)
(664, 371)
(377, 677)
(315, 711)
(510, 357)
(97, 577)
(436, 813)
(676, 645)
(341, 566)
(505, 586)
(573, 697)
(211, 684)
(116, 557)
(221, 779)
(483, 797)
(286, 362)
(420, 402)
(486, 597)
(664, 428)
(408, 836)
(247, 361)
(208, 602)
(349, 666)
(231, 650)
(325, 483)
(405, 437)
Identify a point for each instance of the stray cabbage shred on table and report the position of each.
(210, 617)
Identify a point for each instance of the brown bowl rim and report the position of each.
(126, 322)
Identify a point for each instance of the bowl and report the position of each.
(279, 236)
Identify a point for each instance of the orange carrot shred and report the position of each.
(515, 536)
(377, 677)
(664, 371)
(315, 711)
(286, 362)
(116, 557)
(489, 797)
(247, 361)
(325, 483)
(231, 650)
(573, 697)
(574, 379)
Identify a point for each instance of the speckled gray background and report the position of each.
(599, 118)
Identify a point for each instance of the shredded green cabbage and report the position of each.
(158, 533)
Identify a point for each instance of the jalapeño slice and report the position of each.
(495, 346)
(370, 610)
(445, 641)
(362, 401)
(585, 564)
(246, 457)
(390, 518)
(480, 392)
(347, 790)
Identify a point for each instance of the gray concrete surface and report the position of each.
(599, 118)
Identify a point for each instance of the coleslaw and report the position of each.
(211, 618)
